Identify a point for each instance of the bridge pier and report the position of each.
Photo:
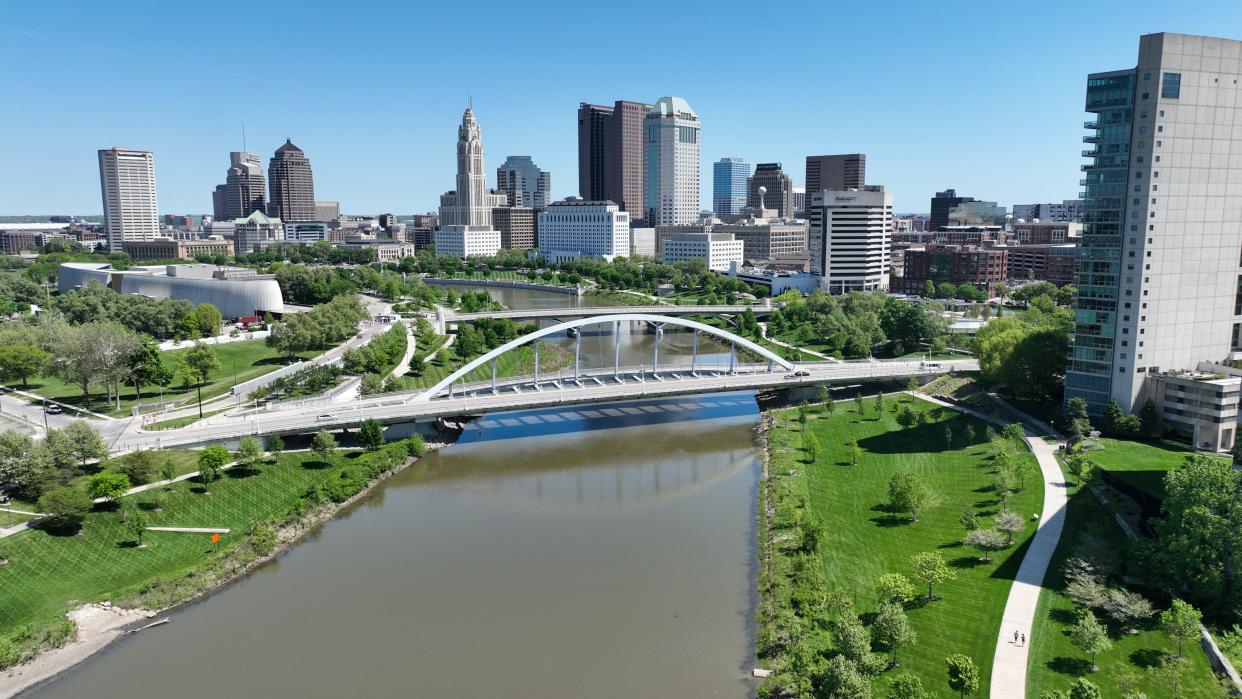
(616, 349)
(536, 364)
(577, 353)
(493, 374)
(732, 357)
(655, 362)
(694, 350)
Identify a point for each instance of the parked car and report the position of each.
(52, 409)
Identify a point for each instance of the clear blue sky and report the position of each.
(982, 96)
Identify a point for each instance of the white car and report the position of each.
(325, 416)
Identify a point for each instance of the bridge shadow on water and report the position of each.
(607, 416)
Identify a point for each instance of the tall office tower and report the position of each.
(470, 204)
(835, 172)
(1159, 280)
(672, 162)
(293, 185)
(611, 154)
(127, 183)
(244, 191)
(219, 211)
(523, 182)
(851, 233)
(729, 177)
(941, 204)
(778, 190)
(516, 225)
(976, 213)
(799, 202)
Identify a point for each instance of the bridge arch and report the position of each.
(595, 320)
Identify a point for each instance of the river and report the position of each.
(603, 551)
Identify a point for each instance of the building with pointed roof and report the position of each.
(471, 203)
(252, 233)
(293, 184)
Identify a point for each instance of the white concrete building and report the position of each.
(851, 234)
(574, 228)
(467, 241)
(672, 152)
(643, 242)
(719, 251)
(127, 183)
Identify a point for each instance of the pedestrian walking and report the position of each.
(1015, 636)
(1023, 640)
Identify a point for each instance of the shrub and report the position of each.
(108, 485)
(263, 539)
(138, 466)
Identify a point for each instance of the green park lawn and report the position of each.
(1055, 663)
(176, 422)
(48, 573)
(1141, 464)
(864, 541)
(239, 361)
(519, 362)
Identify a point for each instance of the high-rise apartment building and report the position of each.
(778, 190)
(672, 162)
(611, 154)
(127, 184)
(835, 172)
(850, 235)
(941, 204)
(292, 183)
(729, 177)
(1159, 281)
(243, 191)
(574, 228)
(523, 183)
(471, 203)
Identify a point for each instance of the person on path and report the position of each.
(1015, 636)
(1023, 640)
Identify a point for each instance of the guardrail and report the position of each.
(260, 381)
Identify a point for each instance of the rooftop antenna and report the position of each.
(243, 135)
(470, 101)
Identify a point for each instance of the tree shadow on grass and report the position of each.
(950, 545)
(239, 472)
(1075, 667)
(918, 439)
(148, 506)
(1064, 617)
(106, 506)
(1008, 569)
(316, 464)
(1147, 658)
(127, 544)
(56, 529)
(198, 489)
(969, 562)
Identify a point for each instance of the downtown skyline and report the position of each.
(380, 138)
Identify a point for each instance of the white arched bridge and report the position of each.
(571, 387)
(446, 317)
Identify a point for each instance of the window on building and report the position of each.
(1171, 87)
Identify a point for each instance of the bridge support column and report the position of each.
(655, 361)
(577, 353)
(732, 357)
(694, 350)
(493, 375)
(616, 349)
(536, 364)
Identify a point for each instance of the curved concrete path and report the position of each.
(1009, 664)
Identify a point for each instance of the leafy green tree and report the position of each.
(841, 678)
(858, 403)
(372, 384)
(894, 587)
(263, 539)
(66, 506)
(1084, 688)
(275, 445)
(963, 675)
(803, 409)
(371, 434)
(948, 438)
(138, 466)
(1150, 424)
(1080, 465)
(822, 395)
(1090, 637)
(830, 407)
(1126, 607)
(855, 452)
(323, 445)
(810, 444)
(969, 519)
(1181, 622)
(812, 533)
(1079, 422)
(1004, 482)
(108, 485)
(912, 385)
(27, 467)
(906, 417)
(168, 470)
(209, 320)
(19, 361)
(1009, 523)
(82, 442)
(907, 687)
(879, 405)
(210, 461)
(415, 445)
(892, 630)
(136, 523)
(145, 366)
(968, 434)
(930, 569)
(197, 364)
(908, 493)
(249, 451)
(985, 541)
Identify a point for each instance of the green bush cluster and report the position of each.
(379, 355)
(28, 640)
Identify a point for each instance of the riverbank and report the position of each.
(98, 625)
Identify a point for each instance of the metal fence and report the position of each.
(260, 381)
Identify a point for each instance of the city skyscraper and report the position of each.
(941, 204)
(851, 235)
(729, 177)
(523, 182)
(611, 154)
(672, 163)
(127, 185)
(1159, 284)
(835, 172)
(778, 194)
(293, 185)
(470, 204)
(243, 191)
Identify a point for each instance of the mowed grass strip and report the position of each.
(1055, 663)
(864, 541)
(1141, 464)
(49, 573)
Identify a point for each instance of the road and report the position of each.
(587, 311)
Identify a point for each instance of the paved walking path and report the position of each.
(1009, 663)
(190, 530)
(763, 330)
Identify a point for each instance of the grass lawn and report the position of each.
(1055, 663)
(48, 573)
(519, 362)
(608, 297)
(498, 275)
(864, 541)
(1141, 464)
(183, 461)
(239, 361)
(176, 422)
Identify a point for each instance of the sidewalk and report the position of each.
(763, 330)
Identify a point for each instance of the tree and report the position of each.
(1126, 607)
(892, 630)
(210, 461)
(1083, 586)
(1090, 637)
(136, 522)
(1181, 621)
(963, 675)
(1079, 421)
(275, 445)
(968, 434)
(858, 403)
(371, 434)
(812, 532)
(83, 442)
(1150, 424)
(66, 506)
(969, 519)
(822, 395)
(1002, 290)
(1080, 465)
(948, 437)
(930, 569)
(879, 405)
(1009, 523)
(323, 445)
(907, 493)
(905, 417)
(842, 679)
(249, 451)
(830, 407)
(19, 361)
(145, 366)
(912, 385)
(372, 384)
(138, 466)
(107, 485)
(894, 587)
(802, 412)
(1003, 483)
(855, 452)
(1084, 688)
(209, 319)
(1114, 419)
(810, 444)
(907, 687)
(984, 541)
(168, 471)
(197, 363)
(26, 466)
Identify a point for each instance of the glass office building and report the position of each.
(729, 177)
